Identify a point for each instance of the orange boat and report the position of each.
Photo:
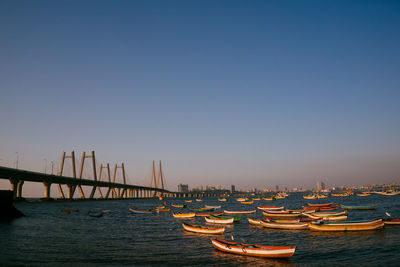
(320, 205)
(253, 250)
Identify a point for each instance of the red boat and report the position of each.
(320, 205)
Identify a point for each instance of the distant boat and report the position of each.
(203, 229)
(282, 225)
(253, 249)
(220, 216)
(184, 215)
(240, 211)
(267, 208)
(219, 220)
(254, 221)
(222, 199)
(178, 205)
(209, 213)
(369, 207)
(141, 211)
(247, 202)
(392, 221)
(320, 205)
(68, 211)
(95, 213)
(212, 207)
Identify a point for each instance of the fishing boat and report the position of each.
(222, 199)
(180, 215)
(163, 210)
(390, 193)
(178, 205)
(392, 221)
(328, 214)
(252, 249)
(188, 201)
(254, 221)
(97, 214)
(68, 211)
(256, 199)
(369, 207)
(327, 218)
(362, 225)
(320, 205)
(212, 207)
(219, 220)
(269, 198)
(209, 213)
(268, 208)
(198, 200)
(241, 199)
(282, 215)
(328, 208)
(203, 229)
(141, 211)
(239, 211)
(235, 218)
(282, 225)
(363, 194)
(247, 202)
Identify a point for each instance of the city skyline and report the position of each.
(231, 93)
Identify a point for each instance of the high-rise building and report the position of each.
(320, 186)
(276, 188)
(182, 188)
(232, 189)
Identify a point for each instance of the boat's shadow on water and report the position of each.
(229, 259)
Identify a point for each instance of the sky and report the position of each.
(249, 93)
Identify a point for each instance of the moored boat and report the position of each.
(253, 249)
(247, 202)
(219, 216)
(282, 225)
(219, 220)
(239, 211)
(320, 204)
(209, 213)
(222, 199)
(92, 213)
(369, 207)
(268, 208)
(203, 229)
(362, 225)
(184, 215)
(212, 207)
(178, 205)
(141, 211)
(254, 221)
(282, 215)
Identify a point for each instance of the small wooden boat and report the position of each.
(328, 208)
(241, 199)
(369, 207)
(282, 215)
(188, 201)
(219, 220)
(391, 193)
(180, 215)
(364, 194)
(392, 222)
(141, 211)
(268, 208)
(209, 213)
(163, 210)
(328, 214)
(247, 202)
(328, 218)
(310, 197)
(288, 226)
(105, 210)
(254, 221)
(235, 218)
(240, 211)
(222, 199)
(256, 199)
(198, 200)
(97, 214)
(365, 225)
(68, 211)
(320, 205)
(178, 205)
(203, 229)
(269, 198)
(252, 249)
(212, 207)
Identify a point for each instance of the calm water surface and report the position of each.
(48, 237)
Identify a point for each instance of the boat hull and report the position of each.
(254, 250)
(202, 229)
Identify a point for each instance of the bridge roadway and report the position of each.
(17, 178)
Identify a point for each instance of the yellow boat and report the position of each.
(247, 202)
(254, 221)
(365, 225)
(184, 215)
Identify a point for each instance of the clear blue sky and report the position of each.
(251, 93)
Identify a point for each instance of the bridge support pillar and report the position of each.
(47, 190)
(19, 189)
(71, 190)
(14, 186)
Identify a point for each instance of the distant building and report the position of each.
(232, 189)
(218, 186)
(183, 188)
(277, 188)
(320, 186)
